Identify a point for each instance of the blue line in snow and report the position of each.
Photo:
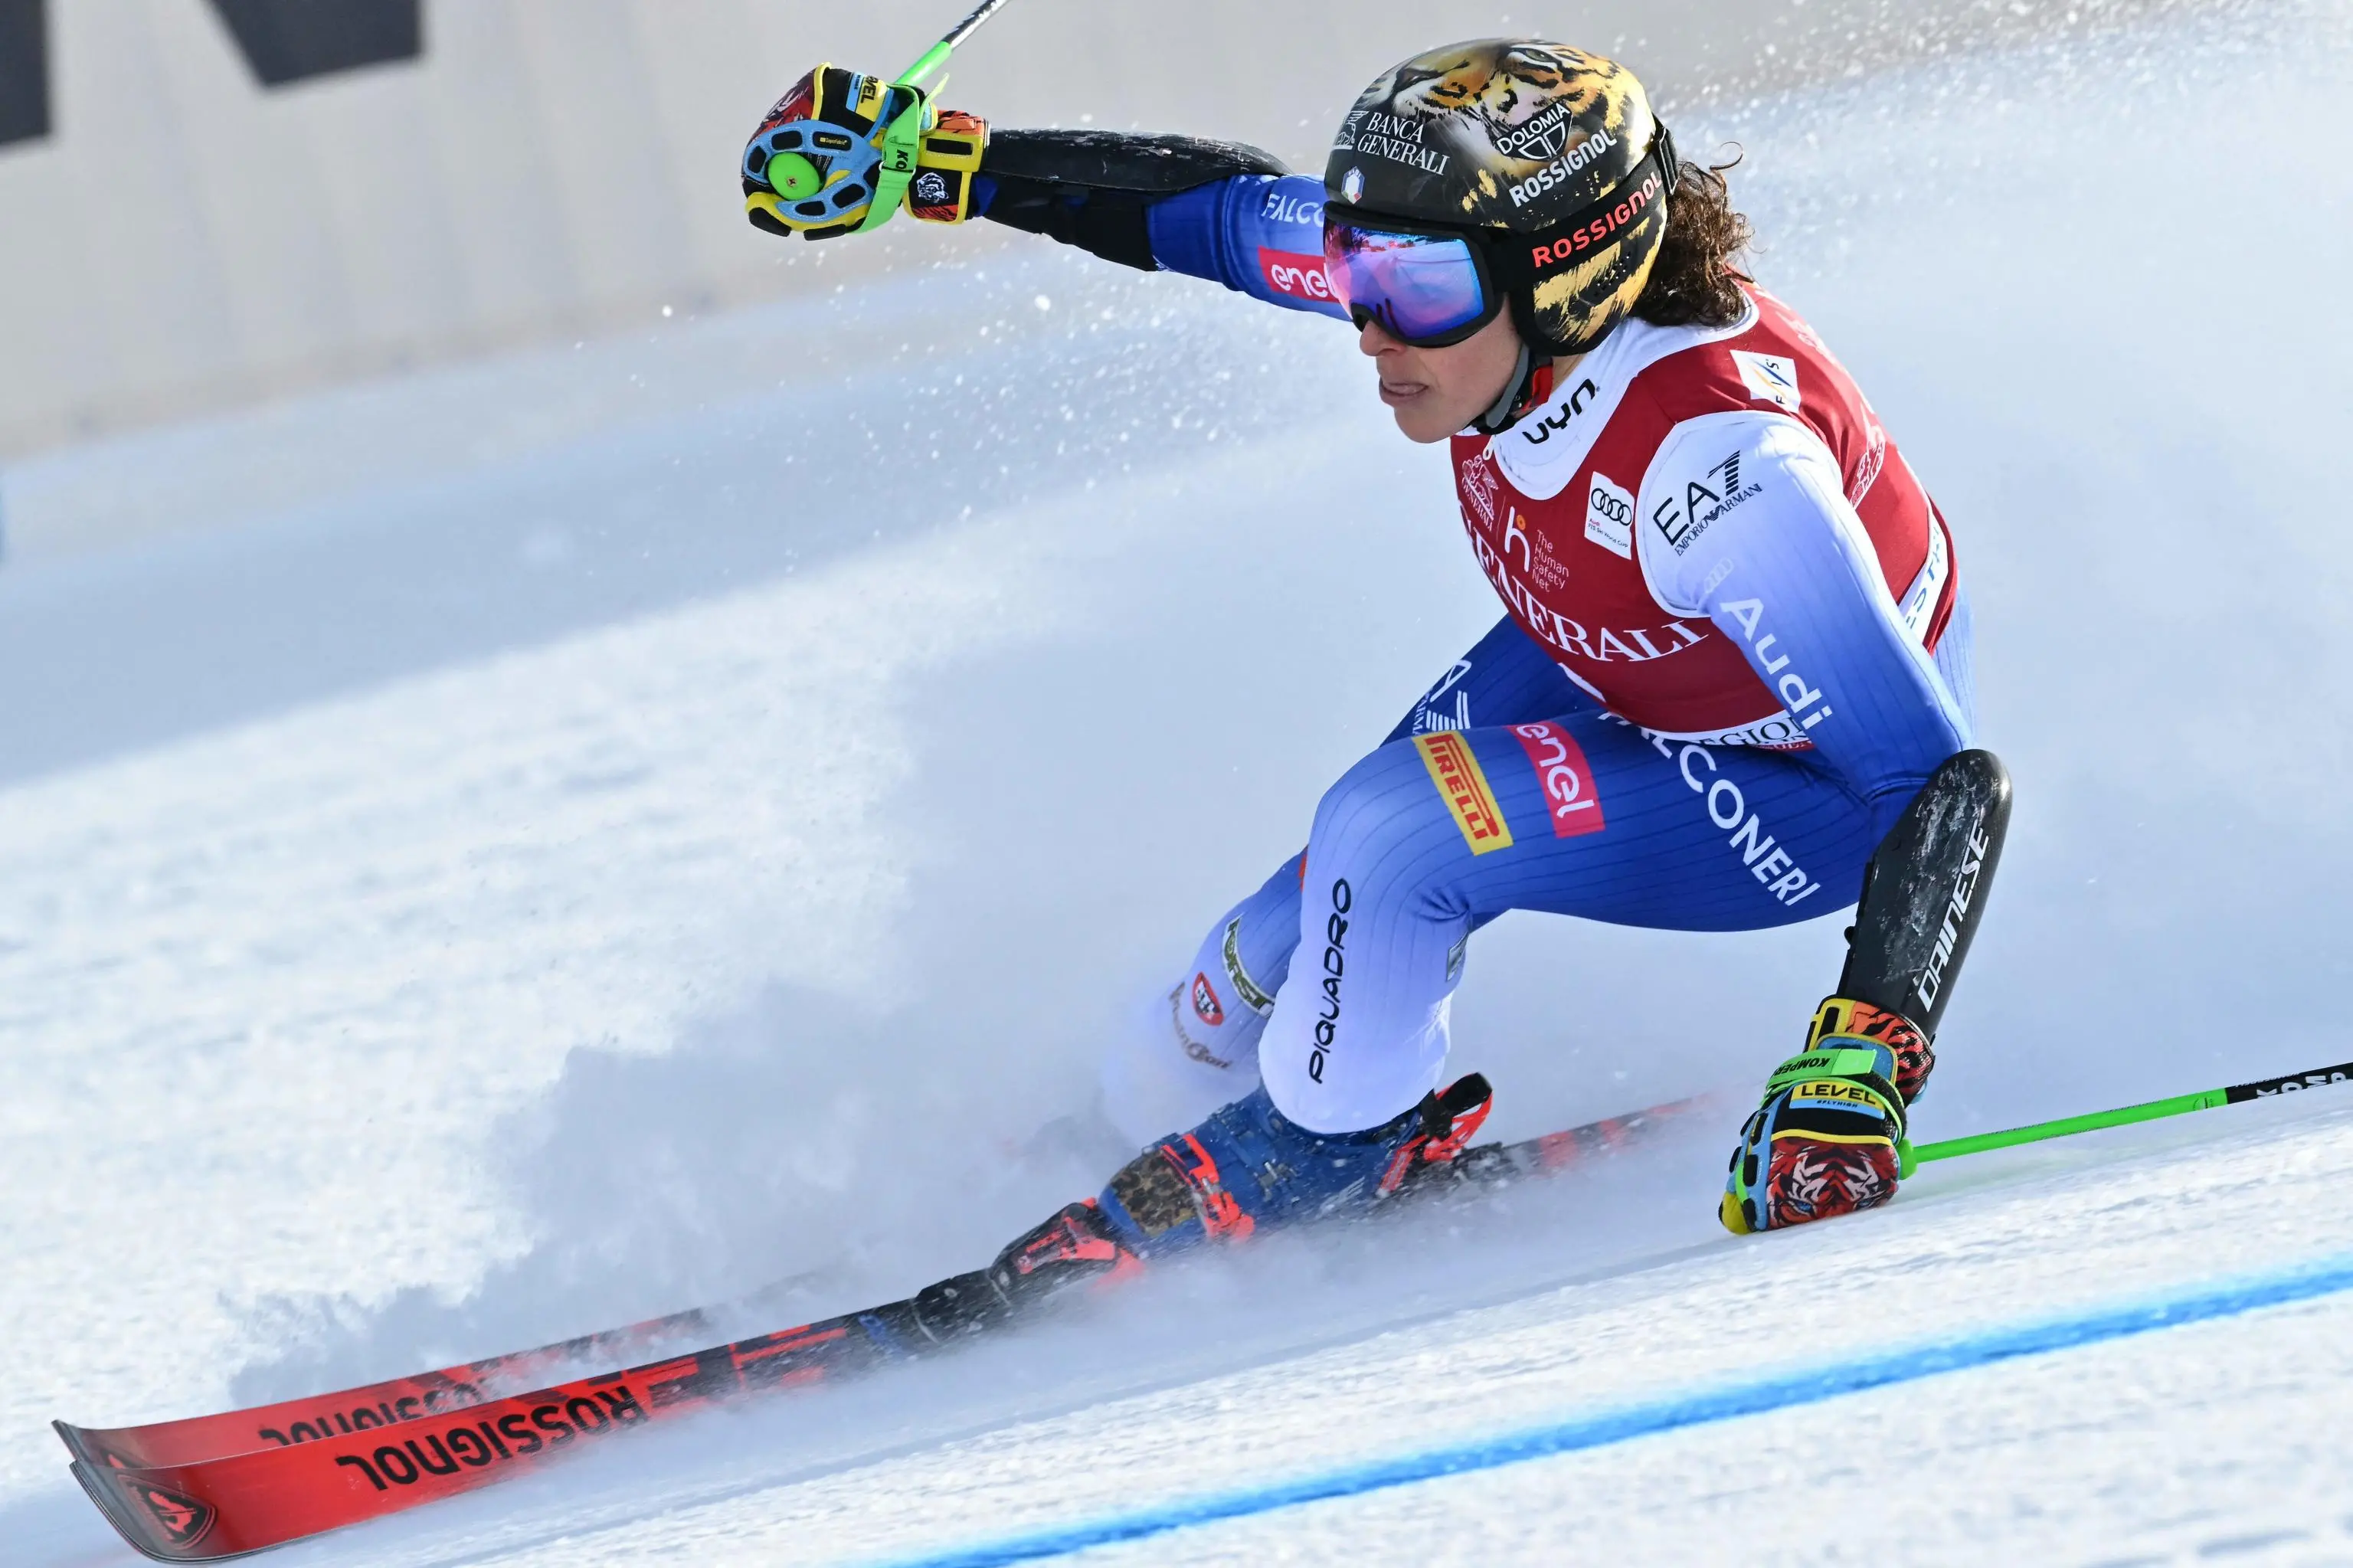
(1910, 1364)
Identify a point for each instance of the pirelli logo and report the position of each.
(1465, 788)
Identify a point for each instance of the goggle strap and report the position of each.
(1498, 416)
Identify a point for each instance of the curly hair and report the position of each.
(1696, 281)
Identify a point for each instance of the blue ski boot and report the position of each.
(1248, 1168)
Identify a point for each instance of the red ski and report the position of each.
(357, 1410)
(284, 1472)
(208, 1510)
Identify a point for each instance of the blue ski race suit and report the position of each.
(1683, 834)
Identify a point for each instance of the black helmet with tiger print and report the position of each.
(1549, 156)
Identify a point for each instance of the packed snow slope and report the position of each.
(606, 829)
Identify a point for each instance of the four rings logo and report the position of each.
(1609, 515)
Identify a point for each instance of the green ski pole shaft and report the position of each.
(937, 55)
(1915, 1155)
(903, 128)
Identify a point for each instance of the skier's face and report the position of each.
(1435, 392)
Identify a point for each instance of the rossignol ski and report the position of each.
(351, 1411)
(286, 1471)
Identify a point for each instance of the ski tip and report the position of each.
(102, 1497)
(96, 1448)
(181, 1525)
(77, 1443)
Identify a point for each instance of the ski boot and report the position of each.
(1074, 1246)
(1249, 1168)
(1823, 1143)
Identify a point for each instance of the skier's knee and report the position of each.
(1384, 800)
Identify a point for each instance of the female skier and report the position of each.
(1731, 690)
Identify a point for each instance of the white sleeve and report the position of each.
(1743, 518)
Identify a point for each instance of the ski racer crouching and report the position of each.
(1732, 689)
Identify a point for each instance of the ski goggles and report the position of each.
(1429, 286)
(1426, 287)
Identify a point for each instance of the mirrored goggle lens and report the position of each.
(1417, 286)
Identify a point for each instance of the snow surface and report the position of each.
(523, 847)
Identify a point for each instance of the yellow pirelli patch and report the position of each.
(1455, 770)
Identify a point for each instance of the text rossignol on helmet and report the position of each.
(1548, 159)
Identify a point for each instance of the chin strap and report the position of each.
(1530, 381)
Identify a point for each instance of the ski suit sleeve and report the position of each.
(1217, 210)
(1743, 518)
(1260, 234)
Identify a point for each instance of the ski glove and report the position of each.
(1823, 1143)
(843, 150)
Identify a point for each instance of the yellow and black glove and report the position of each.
(1825, 1141)
(844, 150)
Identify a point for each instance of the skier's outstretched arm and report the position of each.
(1219, 210)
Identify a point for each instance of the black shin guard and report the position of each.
(1925, 888)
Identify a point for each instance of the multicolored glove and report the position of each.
(843, 150)
(1823, 1142)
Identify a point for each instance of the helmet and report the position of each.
(1549, 159)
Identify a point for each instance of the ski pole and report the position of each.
(937, 55)
(903, 128)
(1912, 1156)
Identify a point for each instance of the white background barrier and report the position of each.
(185, 238)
